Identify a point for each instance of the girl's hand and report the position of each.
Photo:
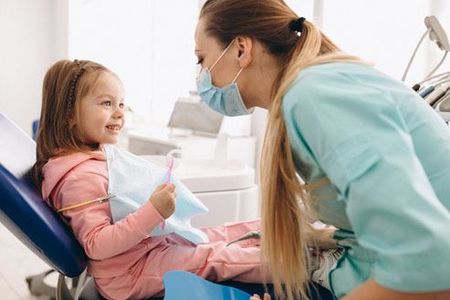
(256, 297)
(163, 199)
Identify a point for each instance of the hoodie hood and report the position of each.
(56, 168)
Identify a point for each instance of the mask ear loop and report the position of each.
(221, 55)
(217, 60)
(237, 75)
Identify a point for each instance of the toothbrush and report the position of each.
(254, 234)
(169, 175)
(170, 168)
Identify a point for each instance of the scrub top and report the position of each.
(386, 155)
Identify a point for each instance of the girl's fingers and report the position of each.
(160, 187)
(170, 187)
(266, 296)
(255, 297)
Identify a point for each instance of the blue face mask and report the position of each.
(226, 100)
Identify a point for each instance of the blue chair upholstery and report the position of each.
(23, 211)
(184, 285)
(34, 129)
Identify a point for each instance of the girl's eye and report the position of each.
(107, 103)
(121, 105)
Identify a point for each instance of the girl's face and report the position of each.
(102, 111)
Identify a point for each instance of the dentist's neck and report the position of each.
(260, 79)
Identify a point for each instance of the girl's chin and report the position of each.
(110, 141)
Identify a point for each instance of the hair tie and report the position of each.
(297, 25)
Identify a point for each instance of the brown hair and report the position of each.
(285, 210)
(65, 83)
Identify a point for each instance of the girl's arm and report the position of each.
(371, 290)
(92, 224)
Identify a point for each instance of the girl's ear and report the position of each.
(72, 121)
(244, 45)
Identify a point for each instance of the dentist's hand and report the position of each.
(163, 199)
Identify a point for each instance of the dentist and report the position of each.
(373, 157)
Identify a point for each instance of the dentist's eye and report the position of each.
(199, 61)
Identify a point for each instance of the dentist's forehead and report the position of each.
(203, 41)
(199, 34)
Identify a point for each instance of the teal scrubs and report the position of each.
(387, 156)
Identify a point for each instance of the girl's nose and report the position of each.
(119, 112)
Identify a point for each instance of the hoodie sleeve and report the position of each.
(92, 224)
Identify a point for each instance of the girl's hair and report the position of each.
(65, 84)
(285, 209)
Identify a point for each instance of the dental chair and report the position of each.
(43, 231)
(27, 216)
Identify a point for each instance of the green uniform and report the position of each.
(387, 155)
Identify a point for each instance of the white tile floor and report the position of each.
(16, 263)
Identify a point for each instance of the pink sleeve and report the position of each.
(92, 224)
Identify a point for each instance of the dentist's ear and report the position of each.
(244, 45)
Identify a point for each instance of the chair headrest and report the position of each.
(23, 211)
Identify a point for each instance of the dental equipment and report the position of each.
(437, 93)
(443, 105)
(437, 34)
(413, 55)
(170, 162)
(435, 79)
(84, 203)
(426, 91)
(255, 234)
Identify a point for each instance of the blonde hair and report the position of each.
(65, 84)
(285, 209)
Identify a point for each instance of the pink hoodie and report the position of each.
(125, 262)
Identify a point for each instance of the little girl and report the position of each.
(83, 109)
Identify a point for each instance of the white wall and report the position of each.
(149, 44)
(32, 38)
(35, 34)
(384, 32)
(441, 9)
